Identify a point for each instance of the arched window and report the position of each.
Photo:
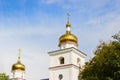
(78, 60)
(61, 59)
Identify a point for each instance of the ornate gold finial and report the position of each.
(68, 22)
(19, 54)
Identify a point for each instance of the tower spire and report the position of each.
(68, 14)
(68, 25)
(19, 54)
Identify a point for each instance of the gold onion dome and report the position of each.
(18, 65)
(68, 37)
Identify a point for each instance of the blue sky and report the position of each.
(36, 25)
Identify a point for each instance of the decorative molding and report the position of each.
(63, 51)
(64, 66)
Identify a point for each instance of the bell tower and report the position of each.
(66, 62)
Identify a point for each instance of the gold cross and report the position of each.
(19, 50)
(68, 14)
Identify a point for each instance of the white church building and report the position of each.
(66, 62)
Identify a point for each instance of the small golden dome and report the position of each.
(18, 66)
(68, 37)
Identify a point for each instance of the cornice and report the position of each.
(63, 51)
(64, 66)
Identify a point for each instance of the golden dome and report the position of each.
(68, 37)
(18, 66)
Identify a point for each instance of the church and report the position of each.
(65, 63)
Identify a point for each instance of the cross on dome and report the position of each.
(19, 50)
(68, 14)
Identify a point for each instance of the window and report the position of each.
(61, 59)
(78, 60)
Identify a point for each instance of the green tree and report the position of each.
(105, 65)
(117, 36)
(3, 76)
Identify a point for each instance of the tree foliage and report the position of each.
(105, 65)
(117, 36)
(3, 76)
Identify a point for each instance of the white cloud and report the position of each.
(13, 26)
(28, 31)
(109, 23)
(65, 4)
(87, 5)
(100, 28)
